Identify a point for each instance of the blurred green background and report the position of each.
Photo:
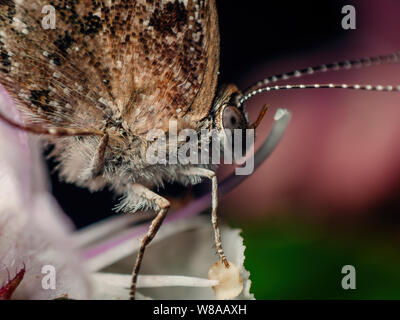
(291, 259)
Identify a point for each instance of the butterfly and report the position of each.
(109, 72)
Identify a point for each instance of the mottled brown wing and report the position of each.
(165, 60)
(135, 62)
(51, 74)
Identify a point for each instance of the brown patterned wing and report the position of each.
(138, 63)
(167, 63)
(52, 74)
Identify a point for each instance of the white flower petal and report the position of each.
(190, 251)
(230, 283)
(33, 230)
(116, 286)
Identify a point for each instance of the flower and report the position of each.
(38, 242)
(34, 233)
(181, 249)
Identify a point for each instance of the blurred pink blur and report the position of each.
(341, 152)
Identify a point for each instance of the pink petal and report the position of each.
(33, 230)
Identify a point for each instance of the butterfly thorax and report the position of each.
(126, 160)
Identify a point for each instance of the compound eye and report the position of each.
(232, 118)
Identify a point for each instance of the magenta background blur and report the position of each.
(341, 152)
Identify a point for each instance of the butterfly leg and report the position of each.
(55, 132)
(214, 204)
(97, 165)
(163, 206)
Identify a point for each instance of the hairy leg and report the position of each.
(214, 217)
(97, 165)
(163, 206)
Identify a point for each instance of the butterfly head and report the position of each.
(230, 117)
(228, 113)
